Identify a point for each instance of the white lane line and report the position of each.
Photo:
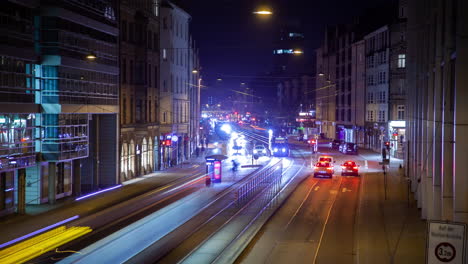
(300, 206)
(325, 224)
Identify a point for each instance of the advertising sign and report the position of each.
(445, 242)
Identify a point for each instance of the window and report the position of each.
(370, 97)
(164, 54)
(124, 71)
(401, 60)
(381, 115)
(370, 115)
(401, 112)
(150, 39)
(131, 72)
(149, 75)
(131, 29)
(124, 30)
(382, 97)
(124, 111)
(131, 110)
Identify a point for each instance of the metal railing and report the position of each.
(268, 177)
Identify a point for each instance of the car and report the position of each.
(280, 150)
(260, 150)
(349, 168)
(335, 144)
(349, 148)
(323, 169)
(326, 158)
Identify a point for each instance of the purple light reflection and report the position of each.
(98, 192)
(38, 231)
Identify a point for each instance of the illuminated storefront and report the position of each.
(397, 130)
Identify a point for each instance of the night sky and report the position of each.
(236, 45)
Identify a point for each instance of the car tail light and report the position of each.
(329, 168)
(343, 167)
(315, 167)
(355, 167)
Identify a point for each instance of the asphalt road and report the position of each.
(316, 224)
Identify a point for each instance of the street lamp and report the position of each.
(91, 56)
(263, 12)
(194, 71)
(297, 52)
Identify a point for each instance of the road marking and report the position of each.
(300, 206)
(317, 188)
(325, 225)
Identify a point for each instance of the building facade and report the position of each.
(377, 51)
(19, 111)
(326, 89)
(397, 84)
(60, 93)
(175, 85)
(139, 93)
(437, 68)
(358, 91)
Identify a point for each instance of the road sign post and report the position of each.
(445, 242)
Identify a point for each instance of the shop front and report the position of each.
(397, 130)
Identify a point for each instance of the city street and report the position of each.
(175, 131)
(343, 220)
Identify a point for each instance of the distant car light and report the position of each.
(275, 150)
(284, 150)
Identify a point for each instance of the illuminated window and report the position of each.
(295, 35)
(401, 60)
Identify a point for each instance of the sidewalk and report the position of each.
(389, 227)
(40, 216)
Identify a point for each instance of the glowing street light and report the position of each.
(298, 52)
(91, 56)
(194, 71)
(263, 12)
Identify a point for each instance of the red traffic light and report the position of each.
(387, 143)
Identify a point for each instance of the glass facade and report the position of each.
(17, 148)
(64, 136)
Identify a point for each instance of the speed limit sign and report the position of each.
(445, 252)
(446, 242)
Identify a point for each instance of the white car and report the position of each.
(324, 158)
(260, 150)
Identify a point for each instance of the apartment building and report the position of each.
(139, 93)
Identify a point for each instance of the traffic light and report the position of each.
(387, 144)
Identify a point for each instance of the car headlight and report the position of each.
(275, 149)
(284, 150)
(264, 151)
(255, 151)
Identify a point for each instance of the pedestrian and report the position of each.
(197, 151)
(206, 142)
(202, 148)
